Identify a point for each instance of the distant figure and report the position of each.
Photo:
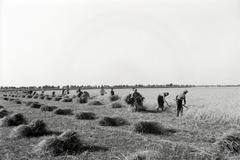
(79, 92)
(112, 92)
(137, 99)
(63, 90)
(161, 99)
(30, 92)
(102, 91)
(42, 91)
(131, 96)
(179, 100)
(67, 89)
(53, 93)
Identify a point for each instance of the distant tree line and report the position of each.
(75, 87)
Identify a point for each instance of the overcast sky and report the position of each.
(80, 42)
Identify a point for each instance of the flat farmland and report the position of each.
(212, 114)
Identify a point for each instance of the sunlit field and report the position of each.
(202, 133)
(204, 104)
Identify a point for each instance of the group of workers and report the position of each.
(180, 99)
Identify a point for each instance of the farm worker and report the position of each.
(112, 92)
(102, 91)
(135, 93)
(131, 96)
(137, 100)
(63, 90)
(161, 99)
(179, 100)
(67, 88)
(53, 93)
(79, 92)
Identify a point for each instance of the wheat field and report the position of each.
(212, 113)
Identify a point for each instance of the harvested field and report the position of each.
(202, 132)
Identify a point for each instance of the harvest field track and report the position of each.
(182, 138)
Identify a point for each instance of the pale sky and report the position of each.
(110, 42)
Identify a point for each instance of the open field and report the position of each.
(212, 113)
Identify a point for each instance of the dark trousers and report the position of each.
(179, 107)
(160, 102)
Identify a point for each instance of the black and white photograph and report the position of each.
(119, 79)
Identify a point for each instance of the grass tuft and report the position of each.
(149, 127)
(3, 113)
(57, 98)
(13, 120)
(113, 121)
(17, 101)
(67, 143)
(48, 108)
(41, 97)
(66, 100)
(80, 100)
(114, 98)
(116, 104)
(143, 155)
(35, 105)
(35, 96)
(34, 129)
(28, 103)
(5, 98)
(85, 115)
(48, 98)
(95, 103)
(29, 96)
(64, 111)
(230, 143)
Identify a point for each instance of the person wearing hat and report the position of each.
(161, 99)
(181, 100)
